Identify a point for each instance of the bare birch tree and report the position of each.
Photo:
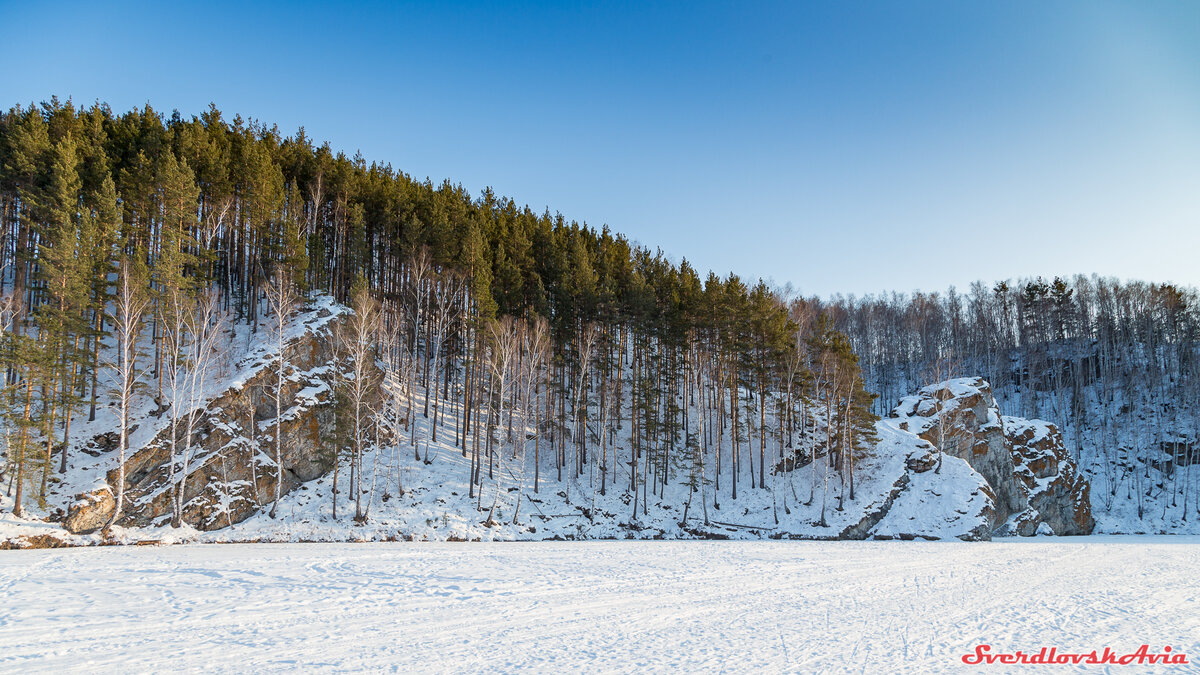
(501, 356)
(420, 266)
(360, 348)
(395, 387)
(281, 296)
(447, 292)
(203, 325)
(129, 307)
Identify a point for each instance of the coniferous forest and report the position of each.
(128, 237)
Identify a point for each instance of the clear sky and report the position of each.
(841, 147)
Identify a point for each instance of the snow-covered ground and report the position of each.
(436, 504)
(594, 606)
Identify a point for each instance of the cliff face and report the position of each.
(1034, 480)
(1058, 494)
(232, 472)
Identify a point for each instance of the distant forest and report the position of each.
(1113, 363)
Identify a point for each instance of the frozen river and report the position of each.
(595, 606)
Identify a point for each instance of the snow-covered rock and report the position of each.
(1030, 473)
(955, 502)
(1058, 494)
(232, 473)
(90, 511)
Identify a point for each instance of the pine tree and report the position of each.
(65, 281)
(103, 234)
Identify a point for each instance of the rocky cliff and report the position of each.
(1035, 482)
(1058, 494)
(232, 472)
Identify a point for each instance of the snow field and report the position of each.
(765, 606)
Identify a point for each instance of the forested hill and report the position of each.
(140, 250)
(104, 213)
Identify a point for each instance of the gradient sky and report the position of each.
(839, 147)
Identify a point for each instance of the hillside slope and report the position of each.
(424, 492)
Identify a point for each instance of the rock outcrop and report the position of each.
(1058, 494)
(90, 511)
(1030, 473)
(232, 472)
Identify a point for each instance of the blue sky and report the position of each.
(840, 147)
